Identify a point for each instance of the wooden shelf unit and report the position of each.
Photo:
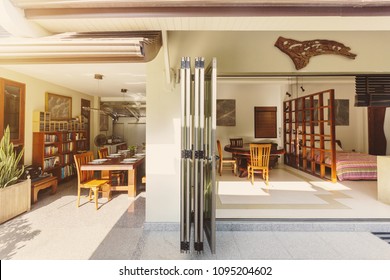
(309, 134)
(41, 121)
(53, 151)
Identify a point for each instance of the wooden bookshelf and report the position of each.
(53, 151)
(309, 134)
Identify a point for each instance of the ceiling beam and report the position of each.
(82, 47)
(236, 11)
(13, 21)
(39, 4)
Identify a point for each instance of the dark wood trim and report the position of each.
(377, 143)
(87, 115)
(22, 106)
(208, 11)
(308, 136)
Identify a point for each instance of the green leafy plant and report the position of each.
(10, 171)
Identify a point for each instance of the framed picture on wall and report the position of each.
(226, 112)
(341, 111)
(103, 122)
(59, 106)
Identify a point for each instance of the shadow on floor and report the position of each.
(122, 240)
(14, 233)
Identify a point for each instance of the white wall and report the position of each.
(133, 132)
(162, 146)
(248, 95)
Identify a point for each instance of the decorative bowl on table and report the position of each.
(98, 161)
(114, 155)
(129, 160)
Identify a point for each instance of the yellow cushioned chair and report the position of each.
(86, 180)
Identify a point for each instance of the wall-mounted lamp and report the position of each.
(302, 88)
(124, 90)
(98, 76)
(288, 94)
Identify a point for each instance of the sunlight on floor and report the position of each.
(294, 194)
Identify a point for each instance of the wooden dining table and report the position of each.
(243, 154)
(113, 163)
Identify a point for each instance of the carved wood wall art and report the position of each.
(301, 51)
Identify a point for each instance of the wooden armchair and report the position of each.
(86, 180)
(225, 161)
(259, 160)
(236, 142)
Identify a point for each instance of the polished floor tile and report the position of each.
(55, 229)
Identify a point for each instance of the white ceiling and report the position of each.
(80, 77)
(36, 17)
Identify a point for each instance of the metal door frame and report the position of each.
(198, 124)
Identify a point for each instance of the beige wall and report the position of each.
(35, 101)
(254, 51)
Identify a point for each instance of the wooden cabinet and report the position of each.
(309, 134)
(53, 151)
(12, 110)
(41, 121)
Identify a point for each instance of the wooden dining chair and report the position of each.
(236, 142)
(112, 176)
(259, 160)
(239, 143)
(225, 161)
(86, 180)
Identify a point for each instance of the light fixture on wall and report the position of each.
(302, 89)
(288, 94)
(99, 76)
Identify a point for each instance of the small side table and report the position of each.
(41, 184)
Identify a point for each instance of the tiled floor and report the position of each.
(57, 229)
(295, 194)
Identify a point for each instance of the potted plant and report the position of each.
(15, 194)
(133, 150)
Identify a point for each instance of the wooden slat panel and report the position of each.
(265, 122)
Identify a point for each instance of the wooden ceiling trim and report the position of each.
(236, 11)
(39, 4)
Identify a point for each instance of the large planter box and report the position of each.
(14, 200)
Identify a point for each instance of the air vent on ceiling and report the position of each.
(372, 90)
